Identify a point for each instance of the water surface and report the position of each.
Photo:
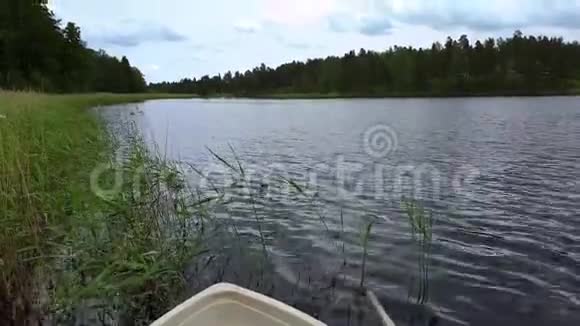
(500, 175)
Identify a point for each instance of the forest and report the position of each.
(39, 53)
(518, 65)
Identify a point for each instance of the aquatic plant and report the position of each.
(421, 223)
(365, 236)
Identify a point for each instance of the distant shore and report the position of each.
(313, 96)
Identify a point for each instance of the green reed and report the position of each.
(49, 144)
(421, 223)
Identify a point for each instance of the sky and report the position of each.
(174, 39)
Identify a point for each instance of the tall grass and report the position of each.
(130, 257)
(46, 144)
(49, 145)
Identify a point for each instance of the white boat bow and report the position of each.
(228, 304)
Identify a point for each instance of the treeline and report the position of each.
(37, 54)
(516, 65)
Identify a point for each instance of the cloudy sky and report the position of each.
(173, 39)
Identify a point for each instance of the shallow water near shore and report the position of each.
(501, 177)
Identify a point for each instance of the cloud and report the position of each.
(457, 20)
(557, 13)
(247, 26)
(298, 12)
(130, 34)
(339, 23)
(374, 26)
(152, 67)
(486, 14)
(369, 25)
(298, 45)
(377, 17)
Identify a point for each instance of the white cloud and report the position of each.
(481, 14)
(247, 26)
(129, 33)
(153, 67)
(366, 24)
(298, 12)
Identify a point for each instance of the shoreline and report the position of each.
(333, 96)
(337, 96)
(51, 145)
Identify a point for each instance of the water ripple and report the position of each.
(505, 244)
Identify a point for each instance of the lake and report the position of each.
(499, 176)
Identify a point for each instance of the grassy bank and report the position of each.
(55, 226)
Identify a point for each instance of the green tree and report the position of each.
(517, 65)
(35, 53)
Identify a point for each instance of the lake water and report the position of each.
(501, 177)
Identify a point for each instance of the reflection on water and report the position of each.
(499, 175)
